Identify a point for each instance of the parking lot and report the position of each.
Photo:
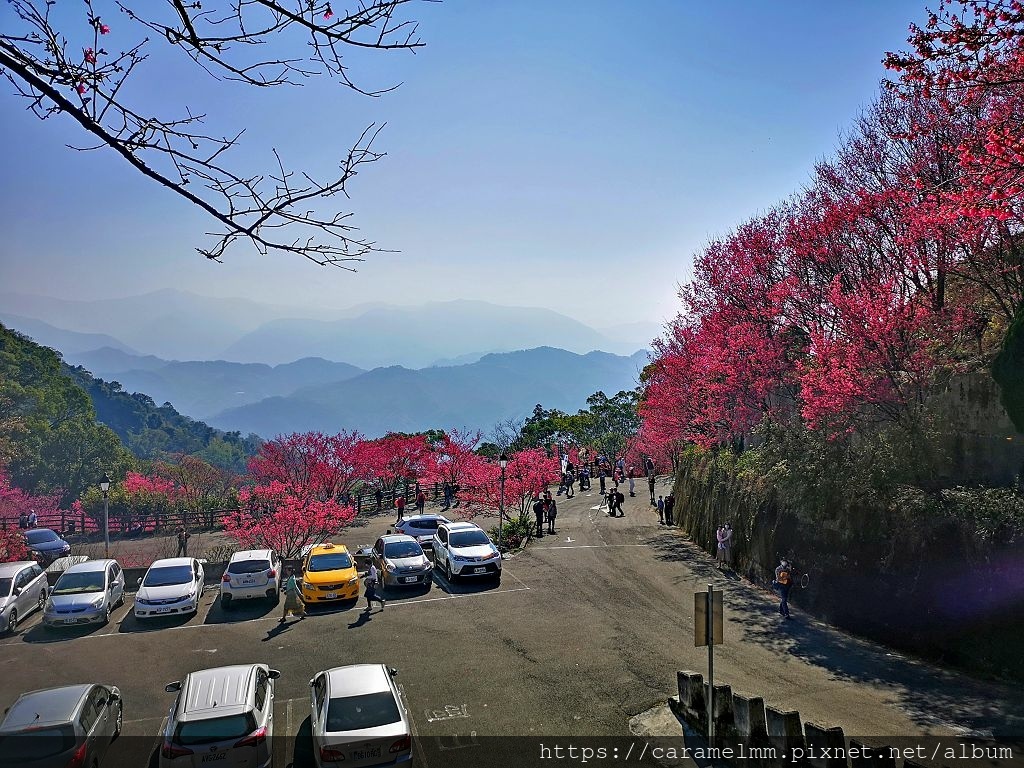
(585, 630)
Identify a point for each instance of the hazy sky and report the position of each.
(571, 155)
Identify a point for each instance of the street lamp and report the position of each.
(502, 462)
(105, 486)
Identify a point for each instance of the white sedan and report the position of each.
(170, 587)
(359, 718)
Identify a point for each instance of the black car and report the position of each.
(46, 546)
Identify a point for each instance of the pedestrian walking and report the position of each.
(610, 501)
(447, 495)
(400, 505)
(23, 520)
(620, 465)
(670, 502)
(370, 584)
(783, 582)
(552, 513)
(570, 482)
(661, 510)
(183, 537)
(584, 478)
(601, 477)
(33, 518)
(649, 466)
(538, 513)
(619, 498)
(650, 486)
(631, 474)
(421, 501)
(379, 494)
(293, 603)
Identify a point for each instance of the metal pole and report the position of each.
(711, 665)
(106, 526)
(501, 507)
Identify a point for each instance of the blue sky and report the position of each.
(571, 155)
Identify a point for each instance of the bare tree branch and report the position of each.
(275, 212)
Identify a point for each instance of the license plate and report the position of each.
(479, 570)
(410, 579)
(247, 582)
(364, 754)
(163, 610)
(214, 757)
(70, 621)
(332, 595)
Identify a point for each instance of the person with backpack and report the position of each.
(292, 597)
(783, 583)
(370, 584)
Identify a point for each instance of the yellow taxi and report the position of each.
(329, 574)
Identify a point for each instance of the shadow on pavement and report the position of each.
(244, 610)
(931, 696)
(40, 634)
(130, 624)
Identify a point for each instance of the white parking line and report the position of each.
(593, 546)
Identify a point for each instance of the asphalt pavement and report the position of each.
(586, 630)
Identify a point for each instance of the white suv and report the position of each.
(252, 574)
(221, 716)
(463, 549)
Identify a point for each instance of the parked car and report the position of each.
(221, 716)
(46, 546)
(463, 549)
(359, 717)
(252, 574)
(85, 593)
(61, 727)
(171, 586)
(23, 589)
(329, 574)
(401, 562)
(421, 527)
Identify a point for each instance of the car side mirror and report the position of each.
(139, 582)
(16, 591)
(113, 698)
(392, 671)
(273, 674)
(173, 687)
(203, 561)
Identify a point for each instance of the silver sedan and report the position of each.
(86, 593)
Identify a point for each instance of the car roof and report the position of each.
(391, 538)
(252, 554)
(52, 705)
(216, 692)
(168, 562)
(357, 679)
(463, 527)
(89, 566)
(7, 570)
(327, 546)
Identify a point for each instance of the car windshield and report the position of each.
(353, 713)
(399, 549)
(215, 729)
(75, 583)
(469, 539)
(249, 566)
(37, 744)
(40, 536)
(5, 587)
(168, 575)
(335, 561)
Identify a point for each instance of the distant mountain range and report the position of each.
(177, 325)
(474, 396)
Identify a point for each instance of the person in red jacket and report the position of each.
(400, 504)
(421, 502)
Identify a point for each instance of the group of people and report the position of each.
(28, 519)
(665, 506)
(724, 537)
(545, 509)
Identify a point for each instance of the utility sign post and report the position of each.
(708, 630)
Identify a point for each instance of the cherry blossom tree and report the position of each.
(529, 473)
(453, 458)
(393, 460)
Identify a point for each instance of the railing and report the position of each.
(70, 523)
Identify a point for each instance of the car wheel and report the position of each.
(120, 600)
(448, 571)
(12, 622)
(106, 615)
(117, 723)
(225, 603)
(42, 599)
